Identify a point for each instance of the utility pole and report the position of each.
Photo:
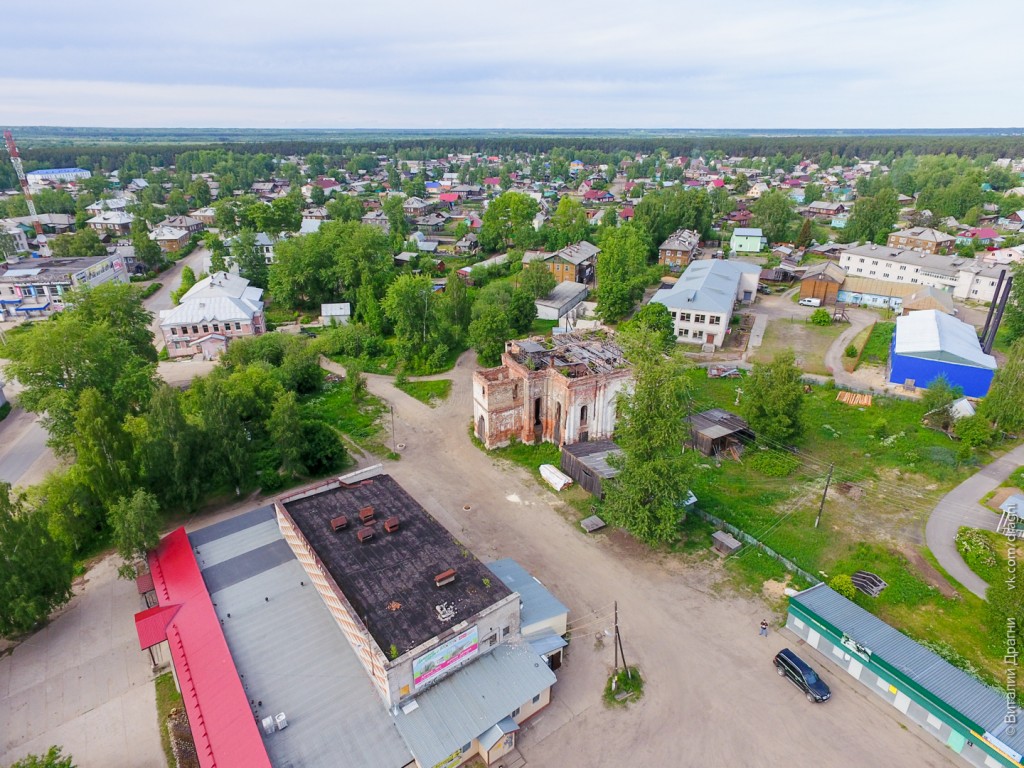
(615, 639)
(394, 437)
(828, 481)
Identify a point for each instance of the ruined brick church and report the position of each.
(560, 390)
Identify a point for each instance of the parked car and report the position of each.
(764, 289)
(799, 672)
(809, 302)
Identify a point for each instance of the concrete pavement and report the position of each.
(960, 507)
(81, 682)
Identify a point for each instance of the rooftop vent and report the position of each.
(338, 523)
(364, 535)
(366, 515)
(391, 524)
(446, 577)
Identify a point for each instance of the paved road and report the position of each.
(960, 507)
(22, 444)
(82, 682)
(171, 280)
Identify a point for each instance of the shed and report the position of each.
(930, 343)
(716, 431)
(822, 281)
(338, 314)
(969, 717)
(560, 301)
(929, 297)
(587, 464)
(724, 542)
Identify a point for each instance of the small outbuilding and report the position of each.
(929, 344)
(929, 297)
(587, 464)
(718, 431)
(335, 314)
(822, 281)
(562, 299)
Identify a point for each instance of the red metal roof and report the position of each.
(222, 722)
(151, 625)
(449, 197)
(492, 181)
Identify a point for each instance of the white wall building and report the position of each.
(702, 301)
(966, 279)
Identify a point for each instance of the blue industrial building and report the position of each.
(929, 344)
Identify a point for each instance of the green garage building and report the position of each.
(977, 722)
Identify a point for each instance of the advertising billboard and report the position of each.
(445, 657)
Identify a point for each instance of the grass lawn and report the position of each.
(809, 342)
(358, 419)
(429, 392)
(167, 698)
(889, 473)
(850, 363)
(876, 350)
(542, 326)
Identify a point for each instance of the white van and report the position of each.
(808, 302)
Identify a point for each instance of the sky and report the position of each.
(522, 64)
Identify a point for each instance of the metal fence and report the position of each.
(745, 537)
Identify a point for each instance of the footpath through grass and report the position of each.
(431, 392)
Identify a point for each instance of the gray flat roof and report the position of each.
(538, 604)
(290, 653)
(466, 705)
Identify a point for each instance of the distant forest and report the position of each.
(102, 149)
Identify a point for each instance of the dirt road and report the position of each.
(712, 696)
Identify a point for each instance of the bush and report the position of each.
(773, 463)
(843, 584)
(623, 682)
(974, 431)
(851, 351)
(1016, 479)
(820, 317)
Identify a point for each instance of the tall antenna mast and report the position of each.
(12, 150)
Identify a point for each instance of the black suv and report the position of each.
(788, 664)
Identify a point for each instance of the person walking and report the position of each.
(764, 628)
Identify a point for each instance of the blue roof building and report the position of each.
(929, 344)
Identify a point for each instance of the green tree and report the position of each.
(35, 569)
(773, 399)
(537, 280)
(188, 280)
(73, 513)
(773, 213)
(1013, 315)
(1004, 403)
(392, 208)
(488, 332)
(286, 431)
(813, 193)
(252, 264)
(821, 317)
(873, 217)
(505, 220)
(455, 307)
(316, 164)
(317, 196)
(655, 317)
(54, 758)
(804, 238)
(621, 271)
(147, 252)
(135, 522)
(409, 305)
(345, 208)
(199, 191)
(84, 244)
(8, 246)
(118, 306)
(176, 203)
(58, 360)
(322, 450)
(167, 449)
(654, 473)
(218, 252)
(102, 448)
(569, 223)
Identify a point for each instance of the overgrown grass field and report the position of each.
(431, 392)
(876, 350)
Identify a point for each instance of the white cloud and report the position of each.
(792, 63)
